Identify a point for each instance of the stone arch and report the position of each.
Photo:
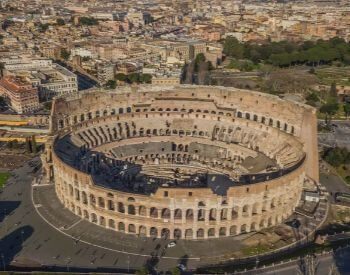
(154, 212)
(243, 228)
(142, 210)
(233, 230)
(178, 214)
(131, 228)
(188, 233)
(86, 214)
(200, 233)
(201, 215)
(177, 233)
(222, 231)
(212, 214)
(239, 114)
(153, 232)
(101, 202)
(234, 212)
(111, 223)
(102, 221)
(223, 214)
(92, 200)
(211, 232)
(84, 197)
(165, 233)
(245, 210)
(255, 209)
(142, 231)
(253, 226)
(189, 215)
(166, 213)
(93, 218)
(247, 115)
(121, 208)
(131, 209)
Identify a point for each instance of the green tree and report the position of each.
(329, 109)
(65, 54)
(134, 78)
(43, 27)
(232, 47)
(146, 78)
(120, 77)
(333, 90)
(111, 84)
(60, 22)
(88, 21)
(34, 145)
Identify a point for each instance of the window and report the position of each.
(190, 194)
(166, 194)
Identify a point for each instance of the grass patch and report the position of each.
(257, 249)
(3, 178)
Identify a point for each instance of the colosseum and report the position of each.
(189, 162)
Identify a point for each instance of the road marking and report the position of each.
(74, 224)
(99, 246)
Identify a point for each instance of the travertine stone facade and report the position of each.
(102, 142)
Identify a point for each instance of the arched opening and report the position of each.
(234, 213)
(131, 210)
(131, 228)
(201, 215)
(142, 231)
(86, 214)
(154, 212)
(178, 214)
(121, 227)
(102, 221)
(211, 232)
(233, 230)
(223, 214)
(165, 233)
(245, 210)
(166, 213)
(142, 210)
(188, 234)
(200, 233)
(239, 114)
(84, 197)
(153, 232)
(111, 224)
(101, 202)
(189, 214)
(212, 214)
(243, 228)
(222, 232)
(253, 226)
(121, 208)
(177, 233)
(93, 218)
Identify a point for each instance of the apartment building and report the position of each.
(19, 94)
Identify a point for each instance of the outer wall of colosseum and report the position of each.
(191, 213)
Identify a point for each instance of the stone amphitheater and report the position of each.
(181, 162)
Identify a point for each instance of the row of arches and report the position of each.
(201, 214)
(69, 121)
(174, 233)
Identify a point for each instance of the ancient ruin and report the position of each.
(191, 162)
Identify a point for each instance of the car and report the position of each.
(171, 244)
